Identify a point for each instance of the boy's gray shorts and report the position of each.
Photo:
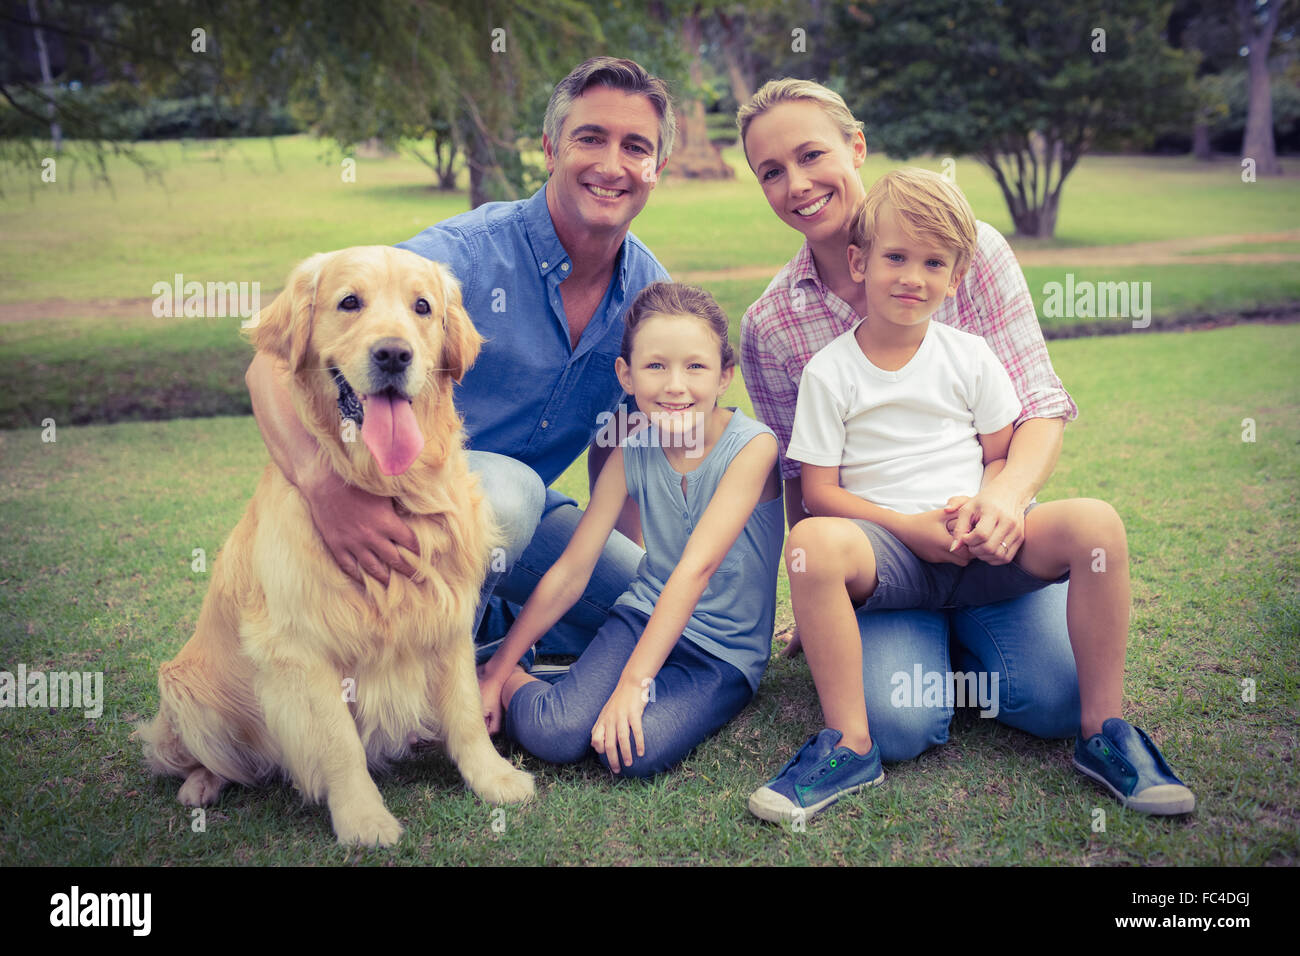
(905, 581)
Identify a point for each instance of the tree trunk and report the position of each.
(1036, 222)
(444, 157)
(479, 159)
(1033, 206)
(1201, 141)
(488, 181)
(695, 157)
(733, 54)
(1257, 144)
(56, 131)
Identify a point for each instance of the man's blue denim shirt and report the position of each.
(530, 395)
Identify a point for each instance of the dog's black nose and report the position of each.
(391, 354)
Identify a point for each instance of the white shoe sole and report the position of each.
(1162, 800)
(767, 804)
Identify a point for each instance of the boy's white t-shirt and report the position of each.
(905, 440)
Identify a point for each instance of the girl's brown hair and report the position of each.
(673, 298)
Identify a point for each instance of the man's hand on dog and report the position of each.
(361, 530)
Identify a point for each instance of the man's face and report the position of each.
(605, 164)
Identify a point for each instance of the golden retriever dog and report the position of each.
(294, 668)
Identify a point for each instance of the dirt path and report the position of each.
(1163, 253)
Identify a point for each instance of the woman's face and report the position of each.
(809, 174)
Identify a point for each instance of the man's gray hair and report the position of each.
(615, 74)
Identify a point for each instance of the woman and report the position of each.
(806, 148)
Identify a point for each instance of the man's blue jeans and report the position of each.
(538, 523)
(1023, 641)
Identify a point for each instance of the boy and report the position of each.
(898, 422)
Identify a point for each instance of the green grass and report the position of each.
(96, 574)
(78, 371)
(83, 370)
(247, 210)
(1174, 290)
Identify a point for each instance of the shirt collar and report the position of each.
(804, 268)
(548, 252)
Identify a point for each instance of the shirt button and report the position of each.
(545, 423)
(546, 265)
(564, 267)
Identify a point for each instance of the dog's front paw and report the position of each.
(507, 786)
(375, 827)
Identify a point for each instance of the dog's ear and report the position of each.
(461, 342)
(284, 327)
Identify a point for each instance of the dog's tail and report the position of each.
(196, 728)
(164, 750)
(164, 745)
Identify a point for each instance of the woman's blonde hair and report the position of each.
(788, 90)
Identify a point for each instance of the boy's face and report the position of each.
(906, 280)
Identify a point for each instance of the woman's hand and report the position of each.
(619, 723)
(991, 525)
(927, 536)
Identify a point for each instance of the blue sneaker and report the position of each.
(1125, 761)
(818, 775)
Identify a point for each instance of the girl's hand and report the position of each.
(620, 722)
(926, 536)
(490, 689)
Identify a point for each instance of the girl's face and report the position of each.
(675, 371)
(809, 174)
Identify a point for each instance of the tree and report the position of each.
(74, 68)
(1024, 88)
(470, 74)
(696, 157)
(464, 72)
(1257, 21)
(1206, 27)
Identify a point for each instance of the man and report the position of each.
(545, 281)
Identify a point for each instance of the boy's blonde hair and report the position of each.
(787, 90)
(929, 207)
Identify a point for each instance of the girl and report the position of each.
(684, 647)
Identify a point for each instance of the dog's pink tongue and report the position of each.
(391, 433)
